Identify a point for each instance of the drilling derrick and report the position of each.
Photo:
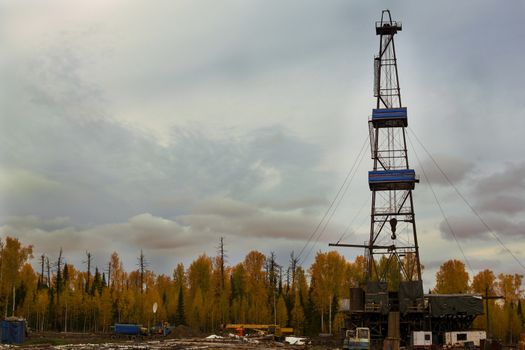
(391, 302)
(394, 286)
(392, 247)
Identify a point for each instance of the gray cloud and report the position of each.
(307, 203)
(33, 222)
(463, 228)
(510, 179)
(502, 203)
(161, 239)
(167, 240)
(225, 207)
(469, 227)
(187, 119)
(457, 169)
(233, 218)
(57, 79)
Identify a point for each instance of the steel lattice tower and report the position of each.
(390, 301)
(392, 247)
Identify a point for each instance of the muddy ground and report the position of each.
(50, 340)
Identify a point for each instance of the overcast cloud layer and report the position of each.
(164, 126)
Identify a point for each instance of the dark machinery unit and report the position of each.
(452, 312)
(391, 302)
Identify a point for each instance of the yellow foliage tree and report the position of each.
(484, 283)
(105, 310)
(452, 278)
(356, 272)
(281, 312)
(327, 273)
(200, 293)
(298, 314)
(41, 309)
(256, 289)
(28, 282)
(220, 290)
(12, 257)
(238, 294)
(509, 286)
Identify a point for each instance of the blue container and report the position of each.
(127, 329)
(13, 331)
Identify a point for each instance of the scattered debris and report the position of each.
(295, 340)
(90, 341)
(214, 336)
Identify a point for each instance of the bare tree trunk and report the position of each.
(88, 261)
(14, 300)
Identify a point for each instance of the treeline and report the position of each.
(205, 295)
(209, 293)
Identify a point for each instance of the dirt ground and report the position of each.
(180, 339)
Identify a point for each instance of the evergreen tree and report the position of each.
(65, 276)
(312, 318)
(179, 314)
(520, 313)
(297, 314)
(96, 286)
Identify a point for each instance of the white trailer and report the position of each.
(421, 340)
(462, 337)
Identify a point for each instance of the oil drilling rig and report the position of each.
(391, 303)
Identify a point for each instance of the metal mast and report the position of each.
(392, 247)
(391, 302)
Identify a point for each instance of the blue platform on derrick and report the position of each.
(389, 117)
(401, 179)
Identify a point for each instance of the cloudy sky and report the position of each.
(164, 125)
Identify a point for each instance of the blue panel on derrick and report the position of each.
(389, 117)
(402, 179)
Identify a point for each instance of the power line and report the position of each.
(345, 232)
(331, 204)
(351, 173)
(441, 209)
(335, 209)
(489, 229)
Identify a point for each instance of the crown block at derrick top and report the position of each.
(390, 117)
(383, 180)
(388, 28)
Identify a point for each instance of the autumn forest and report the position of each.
(209, 293)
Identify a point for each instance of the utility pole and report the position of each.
(486, 297)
